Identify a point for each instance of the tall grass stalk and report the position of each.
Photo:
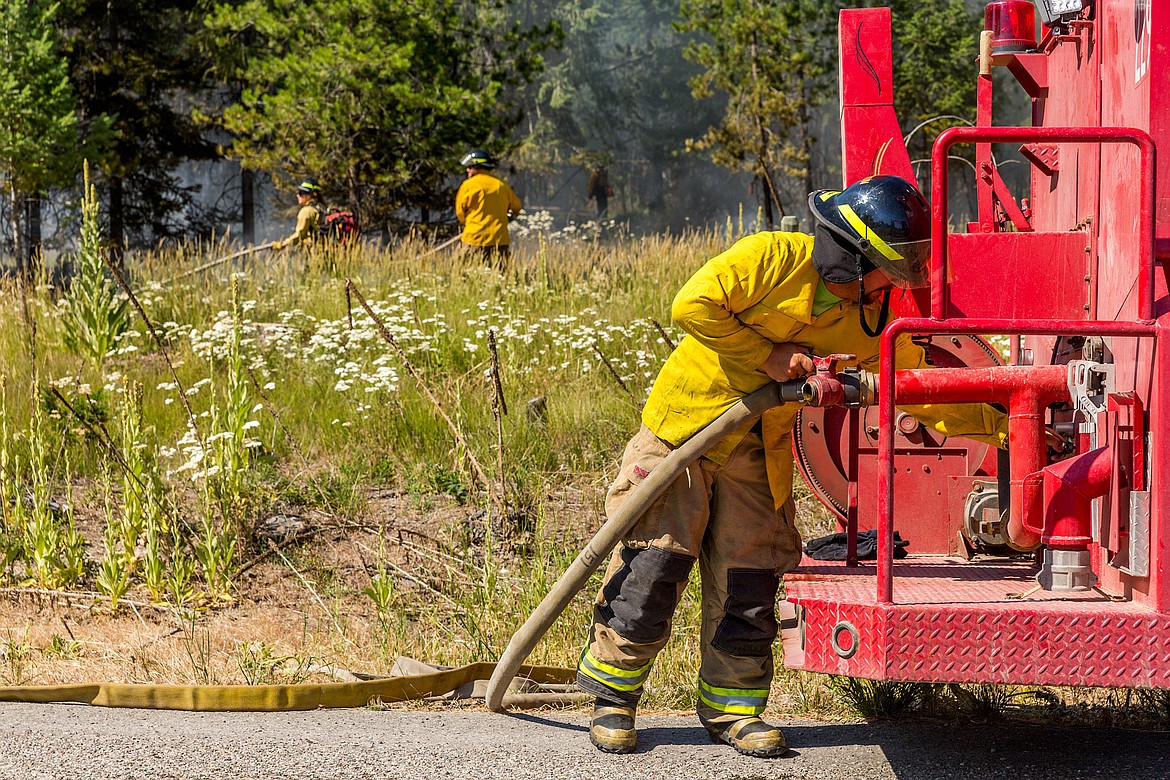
(93, 317)
(114, 571)
(227, 459)
(11, 515)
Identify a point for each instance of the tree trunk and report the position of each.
(806, 142)
(32, 216)
(248, 205)
(117, 220)
(763, 155)
(17, 231)
(766, 193)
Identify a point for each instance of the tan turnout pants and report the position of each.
(723, 516)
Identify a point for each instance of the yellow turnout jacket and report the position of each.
(758, 293)
(482, 205)
(308, 225)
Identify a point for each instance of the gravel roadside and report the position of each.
(63, 742)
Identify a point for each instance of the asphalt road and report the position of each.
(38, 742)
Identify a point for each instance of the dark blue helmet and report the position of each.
(886, 219)
(309, 187)
(477, 158)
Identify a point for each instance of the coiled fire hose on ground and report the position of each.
(599, 547)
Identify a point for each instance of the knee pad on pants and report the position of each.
(749, 626)
(641, 596)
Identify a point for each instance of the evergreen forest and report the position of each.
(699, 108)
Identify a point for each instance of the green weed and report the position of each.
(15, 653)
(885, 700)
(61, 648)
(259, 664)
(196, 641)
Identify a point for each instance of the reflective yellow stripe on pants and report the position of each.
(733, 701)
(611, 676)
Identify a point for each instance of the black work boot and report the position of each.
(750, 736)
(612, 729)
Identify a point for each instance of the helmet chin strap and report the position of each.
(883, 316)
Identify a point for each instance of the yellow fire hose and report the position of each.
(218, 261)
(302, 696)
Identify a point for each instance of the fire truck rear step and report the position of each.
(958, 621)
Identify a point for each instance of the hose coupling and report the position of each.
(850, 387)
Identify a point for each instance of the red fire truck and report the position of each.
(1041, 567)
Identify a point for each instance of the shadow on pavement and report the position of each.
(983, 751)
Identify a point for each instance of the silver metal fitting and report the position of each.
(1066, 570)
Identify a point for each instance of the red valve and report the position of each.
(828, 363)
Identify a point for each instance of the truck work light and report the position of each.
(1012, 24)
(1053, 12)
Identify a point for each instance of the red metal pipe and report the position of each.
(1069, 489)
(990, 384)
(1159, 453)
(1162, 256)
(940, 155)
(886, 407)
(1026, 391)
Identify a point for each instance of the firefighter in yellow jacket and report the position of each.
(484, 204)
(308, 217)
(753, 315)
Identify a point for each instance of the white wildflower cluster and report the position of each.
(531, 224)
(359, 363)
(205, 459)
(126, 343)
(115, 382)
(72, 384)
(192, 449)
(567, 341)
(540, 224)
(216, 341)
(361, 358)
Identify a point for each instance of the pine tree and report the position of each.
(139, 61)
(378, 99)
(775, 61)
(39, 123)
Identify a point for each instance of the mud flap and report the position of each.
(791, 618)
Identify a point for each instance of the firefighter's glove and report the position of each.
(835, 547)
(1057, 444)
(788, 361)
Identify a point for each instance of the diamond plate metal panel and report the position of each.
(955, 623)
(1139, 533)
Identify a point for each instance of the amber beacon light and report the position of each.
(1012, 24)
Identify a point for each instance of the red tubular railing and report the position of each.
(1026, 391)
(887, 390)
(939, 292)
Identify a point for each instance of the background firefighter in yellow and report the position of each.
(753, 315)
(484, 204)
(308, 218)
